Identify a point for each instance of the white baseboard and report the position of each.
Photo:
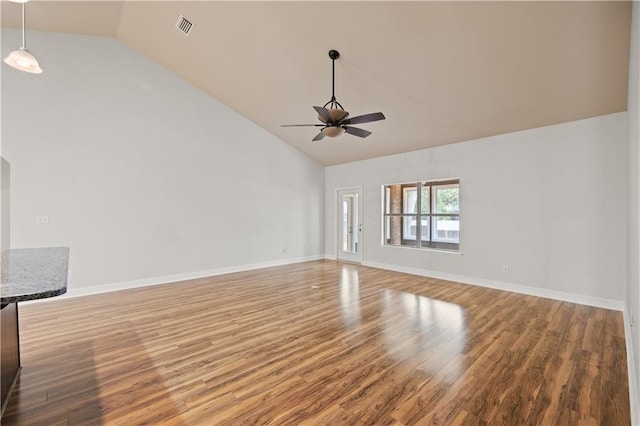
(634, 390)
(581, 299)
(86, 291)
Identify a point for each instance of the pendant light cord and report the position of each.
(24, 27)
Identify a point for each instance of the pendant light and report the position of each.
(21, 58)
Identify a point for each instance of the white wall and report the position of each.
(633, 287)
(550, 203)
(5, 197)
(143, 175)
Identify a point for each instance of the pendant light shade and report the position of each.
(21, 58)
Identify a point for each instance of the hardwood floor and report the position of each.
(367, 346)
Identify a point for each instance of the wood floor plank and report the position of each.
(319, 343)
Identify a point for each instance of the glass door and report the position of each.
(349, 225)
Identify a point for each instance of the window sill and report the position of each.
(425, 249)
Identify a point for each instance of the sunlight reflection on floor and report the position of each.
(411, 320)
(350, 297)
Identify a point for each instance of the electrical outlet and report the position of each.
(505, 269)
(42, 220)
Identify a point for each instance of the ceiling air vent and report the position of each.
(184, 25)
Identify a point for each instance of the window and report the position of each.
(431, 220)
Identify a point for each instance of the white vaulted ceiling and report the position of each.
(442, 72)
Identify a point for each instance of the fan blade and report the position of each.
(301, 125)
(318, 137)
(325, 114)
(367, 118)
(361, 133)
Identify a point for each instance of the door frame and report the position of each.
(340, 255)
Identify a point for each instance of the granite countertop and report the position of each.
(29, 274)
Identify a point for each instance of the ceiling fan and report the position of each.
(334, 118)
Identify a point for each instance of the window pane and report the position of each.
(346, 234)
(387, 230)
(392, 230)
(395, 231)
(387, 200)
(446, 199)
(410, 198)
(425, 236)
(446, 229)
(393, 203)
(409, 227)
(424, 202)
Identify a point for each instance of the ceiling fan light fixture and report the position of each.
(332, 132)
(335, 119)
(23, 60)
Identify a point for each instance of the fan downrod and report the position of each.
(333, 103)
